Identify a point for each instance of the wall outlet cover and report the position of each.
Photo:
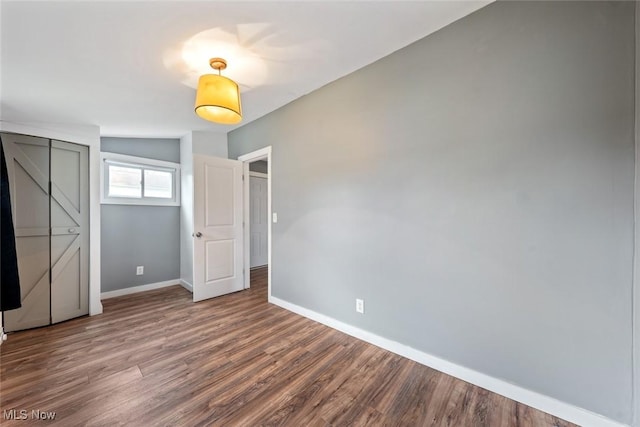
(360, 306)
(139, 270)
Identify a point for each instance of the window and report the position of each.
(129, 180)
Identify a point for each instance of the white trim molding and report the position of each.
(188, 286)
(536, 400)
(141, 288)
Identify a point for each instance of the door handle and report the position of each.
(198, 234)
(72, 230)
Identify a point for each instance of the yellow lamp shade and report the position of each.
(218, 99)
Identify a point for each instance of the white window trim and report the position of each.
(142, 162)
(258, 174)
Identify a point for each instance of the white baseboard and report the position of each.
(141, 288)
(536, 400)
(188, 286)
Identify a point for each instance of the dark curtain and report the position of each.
(9, 280)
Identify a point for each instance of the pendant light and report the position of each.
(218, 98)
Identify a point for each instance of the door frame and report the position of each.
(261, 154)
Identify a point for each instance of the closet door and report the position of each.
(28, 169)
(69, 231)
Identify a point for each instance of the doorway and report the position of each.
(257, 218)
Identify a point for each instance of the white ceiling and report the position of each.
(120, 64)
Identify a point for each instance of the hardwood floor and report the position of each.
(156, 358)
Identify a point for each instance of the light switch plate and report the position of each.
(275, 217)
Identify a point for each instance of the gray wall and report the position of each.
(476, 189)
(259, 166)
(166, 149)
(140, 235)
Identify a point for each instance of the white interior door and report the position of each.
(258, 217)
(218, 240)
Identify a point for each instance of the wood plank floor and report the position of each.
(156, 358)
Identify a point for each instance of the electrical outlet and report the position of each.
(360, 306)
(139, 270)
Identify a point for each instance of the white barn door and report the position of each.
(50, 202)
(28, 169)
(69, 231)
(218, 239)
